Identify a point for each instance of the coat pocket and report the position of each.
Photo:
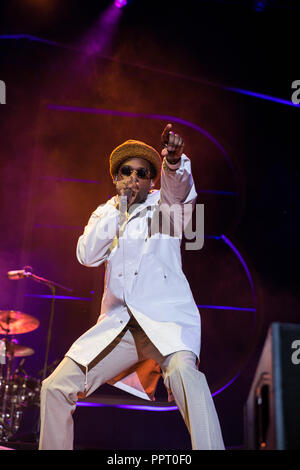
(161, 280)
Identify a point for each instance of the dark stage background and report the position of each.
(82, 77)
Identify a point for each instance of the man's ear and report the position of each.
(115, 179)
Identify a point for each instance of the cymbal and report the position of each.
(17, 350)
(13, 322)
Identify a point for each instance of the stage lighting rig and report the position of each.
(120, 3)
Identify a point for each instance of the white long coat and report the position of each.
(143, 273)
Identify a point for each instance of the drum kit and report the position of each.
(18, 391)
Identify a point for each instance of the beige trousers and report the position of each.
(188, 386)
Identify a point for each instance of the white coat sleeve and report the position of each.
(177, 184)
(177, 194)
(103, 226)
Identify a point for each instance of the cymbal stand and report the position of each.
(6, 341)
(5, 417)
(52, 286)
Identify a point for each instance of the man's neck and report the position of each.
(135, 204)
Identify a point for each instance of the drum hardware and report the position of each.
(17, 350)
(17, 390)
(26, 272)
(14, 322)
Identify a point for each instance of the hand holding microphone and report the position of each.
(127, 190)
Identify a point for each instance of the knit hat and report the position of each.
(134, 148)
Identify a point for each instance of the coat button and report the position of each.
(135, 272)
(121, 321)
(120, 274)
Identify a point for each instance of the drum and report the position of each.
(16, 394)
(17, 390)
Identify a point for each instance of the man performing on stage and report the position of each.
(149, 323)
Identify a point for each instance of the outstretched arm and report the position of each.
(177, 184)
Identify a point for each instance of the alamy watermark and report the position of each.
(296, 94)
(2, 92)
(295, 357)
(162, 221)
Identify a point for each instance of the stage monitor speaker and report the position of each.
(272, 410)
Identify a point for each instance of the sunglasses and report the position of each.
(142, 173)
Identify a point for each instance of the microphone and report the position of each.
(18, 274)
(124, 200)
